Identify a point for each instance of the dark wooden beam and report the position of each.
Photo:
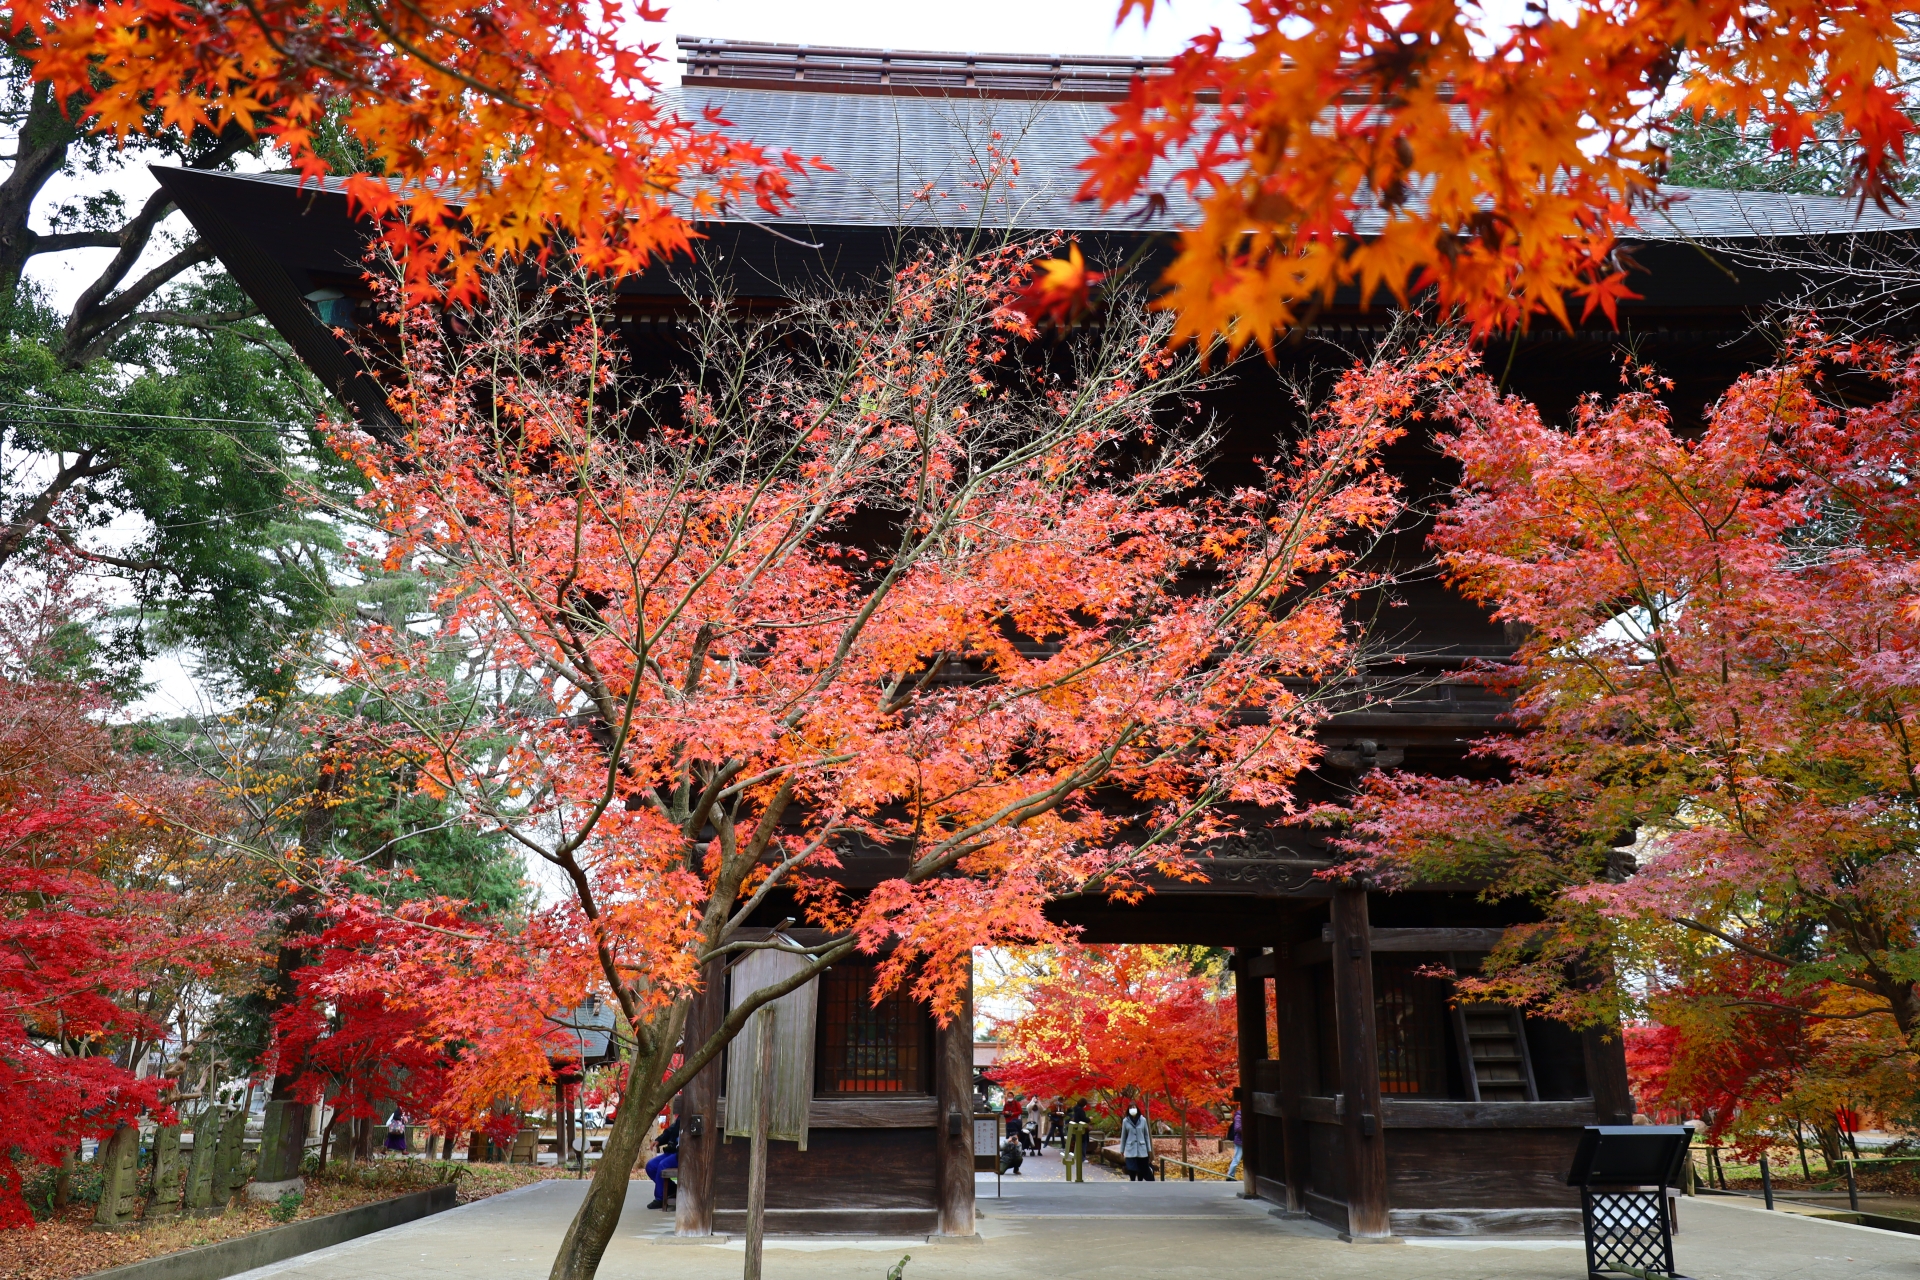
(701, 1109)
(1320, 950)
(954, 1083)
(866, 1113)
(1322, 1110)
(1436, 939)
(1606, 1061)
(1404, 1113)
(1366, 1147)
(1250, 1008)
(1293, 1004)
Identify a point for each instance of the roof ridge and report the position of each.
(910, 72)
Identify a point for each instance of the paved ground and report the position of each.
(1113, 1231)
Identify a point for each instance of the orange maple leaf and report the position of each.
(1059, 290)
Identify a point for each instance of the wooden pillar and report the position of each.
(1365, 1139)
(700, 1113)
(1250, 1007)
(1606, 1058)
(1293, 1011)
(954, 1087)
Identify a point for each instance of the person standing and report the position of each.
(1233, 1132)
(1030, 1134)
(397, 1133)
(1136, 1146)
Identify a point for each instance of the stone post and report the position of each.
(206, 1138)
(120, 1174)
(229, 1164)
(166, 1172)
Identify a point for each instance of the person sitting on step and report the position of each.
(668, 1145)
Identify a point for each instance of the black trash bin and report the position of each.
(1623, 1172)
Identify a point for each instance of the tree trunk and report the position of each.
(593, 1225)
(1828, 1136)
(282, 1160)
(63, 1181)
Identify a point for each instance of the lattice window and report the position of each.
(869, 1048)
(1410, 1013)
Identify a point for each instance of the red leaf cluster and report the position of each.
(90, 921)
(1121, 1025)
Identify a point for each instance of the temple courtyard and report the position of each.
(1042, 1229)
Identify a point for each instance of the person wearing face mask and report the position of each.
(1136, 1146)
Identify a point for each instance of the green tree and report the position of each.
(154, 425)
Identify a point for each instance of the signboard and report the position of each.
(1629, 1155)
(792, 1081)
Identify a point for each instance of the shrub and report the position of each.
(287, 1207)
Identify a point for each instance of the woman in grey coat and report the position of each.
(1136, 1146)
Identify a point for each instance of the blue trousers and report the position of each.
(657, 1170)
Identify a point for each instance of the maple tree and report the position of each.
(1715, 789)
(1125, 1024)
(871, 573)
(1760, 1057)
(1390, 148)
(331, 829)
(525, 118)
(425, 1007)
(101, 921)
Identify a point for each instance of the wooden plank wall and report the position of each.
(876, 1164)
(882, 1181)
(1369, 1165)
(1480, 1168)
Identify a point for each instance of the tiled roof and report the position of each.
(917, 161)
